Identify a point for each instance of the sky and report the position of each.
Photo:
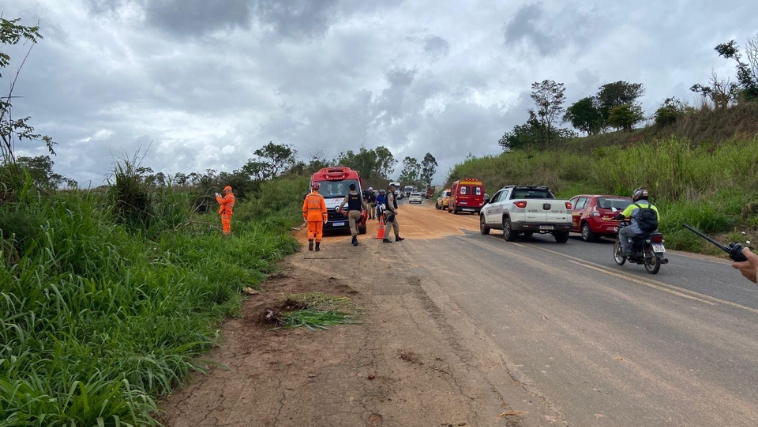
(202, 84)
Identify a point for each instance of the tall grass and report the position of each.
(708, 186)
(99, 317)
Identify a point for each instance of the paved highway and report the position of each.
(602, 345)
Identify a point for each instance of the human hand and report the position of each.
(325, 221)
(218, 195)
(750, 267)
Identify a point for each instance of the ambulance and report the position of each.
(335, 185)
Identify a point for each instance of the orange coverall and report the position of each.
(314, 212)
(225, 210)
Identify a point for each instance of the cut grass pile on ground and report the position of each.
(313, 310)
(313, 319)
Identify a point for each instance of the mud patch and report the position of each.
(410, 357)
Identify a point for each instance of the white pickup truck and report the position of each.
(526, 209)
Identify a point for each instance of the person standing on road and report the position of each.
(355, 205)
(371, 201)
(381, 199)
(225, 209)
(314, 213)
(390, 215)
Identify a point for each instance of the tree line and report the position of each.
(616, 105)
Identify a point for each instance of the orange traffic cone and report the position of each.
(380, 230)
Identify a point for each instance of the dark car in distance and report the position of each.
(592, 215)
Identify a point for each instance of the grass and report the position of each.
(316, 310)
(709, 186)
(103, 311)
(315, 319)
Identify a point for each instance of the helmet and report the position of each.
(315, 186)
(228, 188)
(640, 193)
(371, 189)
(381, 191)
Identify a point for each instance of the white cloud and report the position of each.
(205, 86)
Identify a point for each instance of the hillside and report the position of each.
(701, 170)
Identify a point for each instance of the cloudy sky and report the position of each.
(204, 83)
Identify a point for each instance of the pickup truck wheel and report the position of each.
(587, 234)
(482, 227)
(561, 236)
(508, 233)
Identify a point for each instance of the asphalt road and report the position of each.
(603, 345)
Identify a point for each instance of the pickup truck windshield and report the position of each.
(525, 193)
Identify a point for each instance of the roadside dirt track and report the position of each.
(416, 359)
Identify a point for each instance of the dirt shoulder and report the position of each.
(406, 364)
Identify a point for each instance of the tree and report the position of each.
(271, 161)
(618, 93)
(12, 129)
(720, 92)
(526, 136)
(181, 178)
(747, 72)
(428, 169)
(411, 171)
(385, 162)
(584, 115)
(549, 97)
(40, 169)
(671, 110)
(625, 116)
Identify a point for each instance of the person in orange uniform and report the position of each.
(225, 209)
(314, 213)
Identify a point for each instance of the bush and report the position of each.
(100, 316)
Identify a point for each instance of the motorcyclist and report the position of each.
(639, 204)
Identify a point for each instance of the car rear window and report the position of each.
(463, 190)
(519, 193)
(608, 203)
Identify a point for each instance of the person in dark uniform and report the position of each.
(355, 205)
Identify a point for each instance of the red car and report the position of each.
(592, 216)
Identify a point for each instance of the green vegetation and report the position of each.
(709, 186)
(104, 305)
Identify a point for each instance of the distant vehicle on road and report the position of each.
(592, 215)
(528, 210)
(430, 192)
(466, 195)
(408, 190)
(416, 198)
(398, 192)
(443, 199)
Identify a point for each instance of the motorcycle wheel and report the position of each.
(652, 262)
(617, 254)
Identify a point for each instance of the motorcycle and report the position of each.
(647, 249)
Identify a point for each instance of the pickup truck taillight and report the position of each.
(568, 205)
(521, 205)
